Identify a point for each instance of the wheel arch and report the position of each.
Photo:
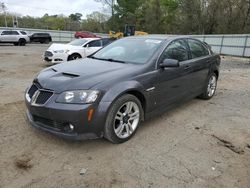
(216, 72)
(133, 88)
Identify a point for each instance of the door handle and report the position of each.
(187, 67)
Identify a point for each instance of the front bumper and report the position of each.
(56, 118)
(56, 58)
(70, 136)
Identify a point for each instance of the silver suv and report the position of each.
(14, 36)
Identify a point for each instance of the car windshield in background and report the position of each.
(131, 50)
(78, 42)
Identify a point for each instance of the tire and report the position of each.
(21, 42)
(47, 41)
(74, 57)
(120, 124)
(210, 87)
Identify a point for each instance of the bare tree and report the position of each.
(3, 9)
(110, 4)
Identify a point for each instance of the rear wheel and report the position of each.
(21, 42)
(47, 41)
(210, 87)
(123, 119)
(74, 57)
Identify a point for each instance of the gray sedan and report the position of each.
(132, 79)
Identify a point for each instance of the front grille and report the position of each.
(48, 54)
(56, 125)
(32, 90)
(43, 97)
(38, 95)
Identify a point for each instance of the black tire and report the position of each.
(206, 95)
(47, 41)
(74, 57)
(22, 42)
(109, 132)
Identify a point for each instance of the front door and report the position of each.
(173, 82)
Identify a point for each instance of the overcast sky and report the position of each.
(38, 8)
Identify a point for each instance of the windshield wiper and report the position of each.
(115, 60)
(108, 59)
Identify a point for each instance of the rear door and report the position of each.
(14, 37)
(173, 82)
(92, 47)
(200, 64)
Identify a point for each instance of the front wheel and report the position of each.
(210, 87)
(123, 119)
(74, 57)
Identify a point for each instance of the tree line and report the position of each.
(152, 16)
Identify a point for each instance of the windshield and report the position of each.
(78, 42)
(132, 50)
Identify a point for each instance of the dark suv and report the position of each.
(109, 93)
(41, 37)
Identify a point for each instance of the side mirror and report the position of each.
(87, 46)
(169, 63)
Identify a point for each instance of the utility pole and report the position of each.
(15, 21)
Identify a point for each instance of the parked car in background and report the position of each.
(40, 37)
(85, 34)
(109, 93)
(14, 36)
(78, 48)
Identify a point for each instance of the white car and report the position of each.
(14, 36)
(79, 48)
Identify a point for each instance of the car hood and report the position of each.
(57, 46)
(84, 74)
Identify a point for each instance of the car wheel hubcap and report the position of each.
(75, 57)
(126, 120)
(211, 86)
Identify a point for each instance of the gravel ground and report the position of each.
(199, 144)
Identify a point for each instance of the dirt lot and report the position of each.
(199, 144)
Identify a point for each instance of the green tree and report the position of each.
(75, 17)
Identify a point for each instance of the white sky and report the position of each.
(38, 8)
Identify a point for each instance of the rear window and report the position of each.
(95, 43)
(105, 41)
(24, 33)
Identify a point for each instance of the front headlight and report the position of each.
(78, 97)
(59, 51)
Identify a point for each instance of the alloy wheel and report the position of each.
(212, 83)
(126, 120)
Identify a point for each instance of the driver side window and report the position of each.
(176, 50)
